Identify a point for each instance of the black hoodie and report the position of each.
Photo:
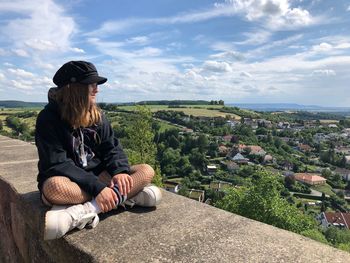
(58, 149)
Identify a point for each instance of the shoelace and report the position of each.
(89, 220)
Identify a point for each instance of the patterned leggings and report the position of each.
(60, 190)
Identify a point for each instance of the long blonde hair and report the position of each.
(75, 106)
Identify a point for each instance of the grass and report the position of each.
(166, 126)
(195, 110)
(326, 188)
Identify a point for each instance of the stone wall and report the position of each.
(178, 230)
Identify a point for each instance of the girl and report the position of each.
(82, 168)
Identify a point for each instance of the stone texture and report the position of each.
(178, 230)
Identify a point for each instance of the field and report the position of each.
(30, 121)
(327, 189)
(197, 110)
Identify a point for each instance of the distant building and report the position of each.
(239, 158)
(227, 138)
(268, 159)
(310, 178)
(219, 185)
(197, 195)
(251, 149)
(304, 147)
(223, 150)
(232, 166)
(211, 169)
(345, 173)
(336, 219)
(171, 186)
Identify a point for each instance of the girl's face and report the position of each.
(93, 90)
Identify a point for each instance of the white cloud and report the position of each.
(20, 52)
(39, 25)
(148, 52)
(216, 66)
(323, 47)
(255, 38)
(22, 85)
(324, 72)
(7, 64)
(2, 52)
(228, 55)
(245, 74)
(77, 50)
(21, 73)
(2, 76)
(277, 14)
(348, 9)
(139, 40)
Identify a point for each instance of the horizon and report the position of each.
(263, 51)
(225, 104)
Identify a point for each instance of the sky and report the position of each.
(240, 51)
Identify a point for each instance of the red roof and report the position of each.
(309, 177)
(338, 217)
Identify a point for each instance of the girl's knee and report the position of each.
(144, 168)
(55, 184)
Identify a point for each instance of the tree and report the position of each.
(141, 146)
(1, 125)
(261, 201)
(315, 235)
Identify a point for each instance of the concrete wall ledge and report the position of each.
(178, 230)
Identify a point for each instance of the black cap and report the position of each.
(77, 72)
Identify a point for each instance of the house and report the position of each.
(264, 123)
(285, 139)
(283, 125)
(344, 150)
(219, 185)
(223, 150)
(211, 169)
(310, 123)
(304, 148)
(250, 122)
(171, 186)
(240, 159)
(310, 178)
(345, 173)
(320, 137)
(268, 159)
(286, 165)
(347, 159)
(232, 124)
(261, 137)
(336, 219)
(227, 138)
(231, 166)
(196, 194)
(332, 126)
(251, 149)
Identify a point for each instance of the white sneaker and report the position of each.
(61, 219)
(149, 196)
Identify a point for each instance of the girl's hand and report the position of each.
(106, 199)
(124, 182)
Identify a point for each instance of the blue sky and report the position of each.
(258, 51)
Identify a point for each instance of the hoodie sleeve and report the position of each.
(112, 154)
(53, 160)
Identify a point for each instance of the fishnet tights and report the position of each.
(60, 190)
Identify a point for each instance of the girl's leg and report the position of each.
(60, 190)
(142, 175)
